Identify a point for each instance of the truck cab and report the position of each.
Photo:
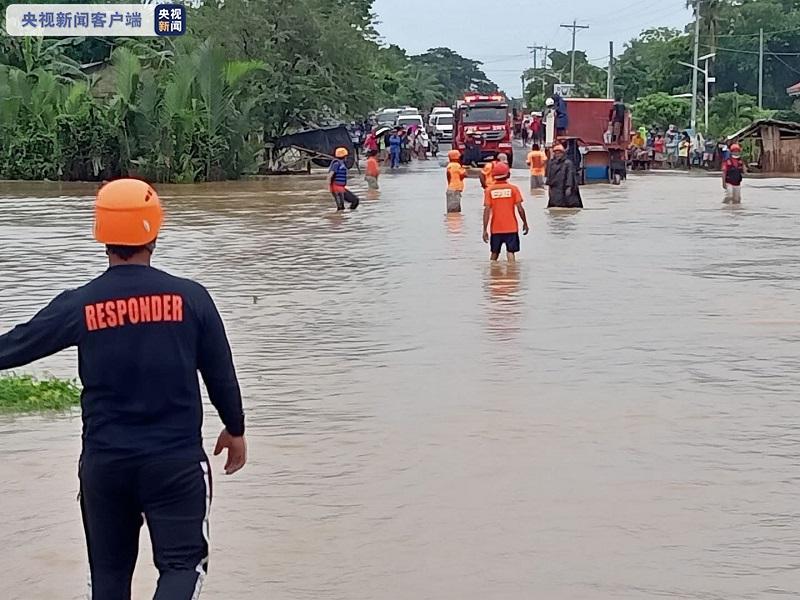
(482, 127)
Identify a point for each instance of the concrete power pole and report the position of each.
(696, 60)
(574, 28)
(761, 68)
(610, 86)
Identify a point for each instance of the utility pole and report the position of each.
(546, 50)
(761, 68)
(533, 50)
(696, 60)
(574, 28)
(610, 86)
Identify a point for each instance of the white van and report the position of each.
(442, 126)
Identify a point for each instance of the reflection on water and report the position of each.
(505, 307)
(615, 416)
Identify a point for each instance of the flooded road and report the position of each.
(615, 417)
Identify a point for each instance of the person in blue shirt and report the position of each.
(337, 181)
(395, 147)
(142, 337)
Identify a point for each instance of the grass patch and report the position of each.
(25, 394)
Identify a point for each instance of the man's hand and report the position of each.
(568, 191)
(724, 186)
(485, 237)
(237, 451)
(525, 229)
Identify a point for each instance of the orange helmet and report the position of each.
(341, 153)
(736, 148)
(127, 212)
(500, 170)
(454, 155)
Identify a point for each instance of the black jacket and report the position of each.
(562, 176)
(142, 336)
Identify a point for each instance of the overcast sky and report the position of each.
(498, 32)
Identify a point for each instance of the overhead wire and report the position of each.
(785, 64)
(732, 35)
(740, 51)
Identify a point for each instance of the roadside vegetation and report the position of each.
(650, 78)
(25, 394)
(200, 107)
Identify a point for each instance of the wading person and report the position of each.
(502, 201)
(142, 336)
(537, 161)
(395, 149)
(486, 174)
(372, 171)
(562, 181)
(456, 173)
(337, 181)
(733, 170)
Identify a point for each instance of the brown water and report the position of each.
(615, 417)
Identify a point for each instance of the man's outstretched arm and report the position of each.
(53, 329)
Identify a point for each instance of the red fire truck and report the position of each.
(483, 128)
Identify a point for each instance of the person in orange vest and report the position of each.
(502, 202)
(373, 170)
(733, 170)
(142, 337)
(456, 173)
(487, 176)
(537, 161)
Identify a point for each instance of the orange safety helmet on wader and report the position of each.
(127, 212)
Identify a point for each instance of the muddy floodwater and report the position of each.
(615, 417)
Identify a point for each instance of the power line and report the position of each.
(731, 35)
(787, 65)
(738, 51)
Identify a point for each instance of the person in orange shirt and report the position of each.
(373, 170)
(502, 201)
(456, 173)
(537, 161)
(486, 173)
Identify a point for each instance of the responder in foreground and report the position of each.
(142, 335)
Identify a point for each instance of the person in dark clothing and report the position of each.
(616, 117)
(142, 335)
(562, 118)
(562, 181)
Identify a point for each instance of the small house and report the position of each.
(776, 144)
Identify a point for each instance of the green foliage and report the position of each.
(649, 64)
(200, 108)
(23, 394)
(730, 28)
(661, 110)
(454, 74)
(590, 81)
(789, 116)
(731, 112)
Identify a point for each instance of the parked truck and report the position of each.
(482, 127)
(588, 134)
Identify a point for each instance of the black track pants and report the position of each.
(174, 497)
